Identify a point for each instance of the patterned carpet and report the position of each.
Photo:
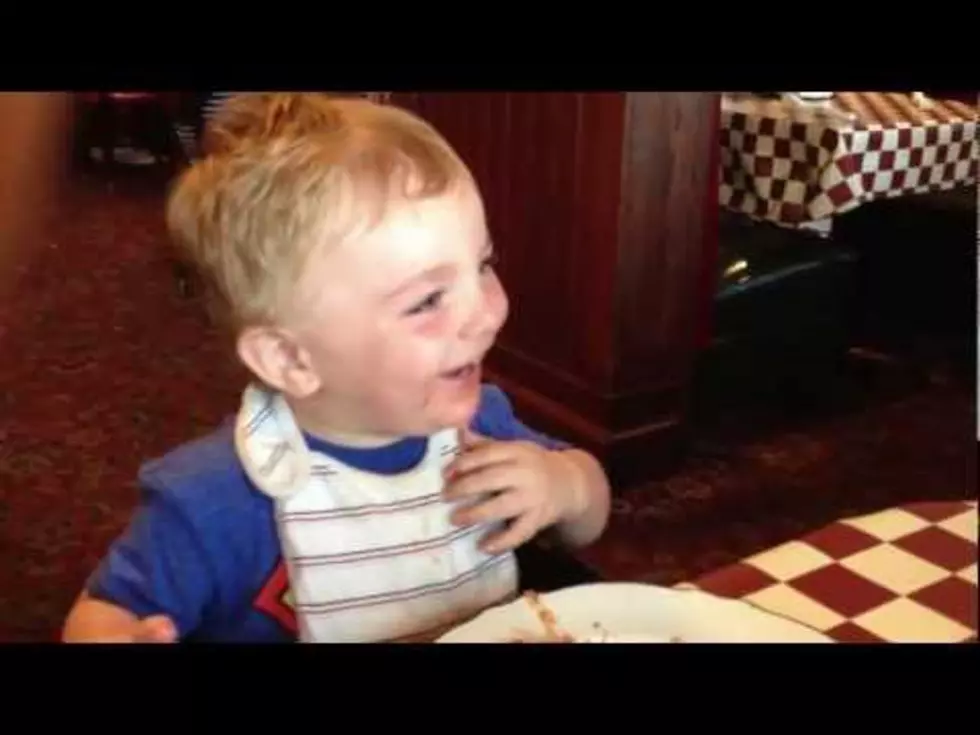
(104, 365)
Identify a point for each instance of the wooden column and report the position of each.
(596, 203)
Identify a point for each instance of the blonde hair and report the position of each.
(285, 174)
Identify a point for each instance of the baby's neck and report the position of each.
(334, 434)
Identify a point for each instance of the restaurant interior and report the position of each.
(757, 308)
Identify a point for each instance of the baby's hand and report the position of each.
(154, 629)
(527, 485)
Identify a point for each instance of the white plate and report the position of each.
(638, 613)
(814, 96)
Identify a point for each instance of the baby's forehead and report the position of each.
(455, 216)
(406, 236)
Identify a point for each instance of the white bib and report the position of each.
(370, 558)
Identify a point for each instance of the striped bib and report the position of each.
(370, 558)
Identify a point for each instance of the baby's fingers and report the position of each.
(500, 507)
(520, 531)
(156, 629)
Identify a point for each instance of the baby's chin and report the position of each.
(446, 405)
(459, 414)
(441, 422)
(433, 419)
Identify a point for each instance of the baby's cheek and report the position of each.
(403, 359)
(436, 325)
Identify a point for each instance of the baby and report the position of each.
(370, 488)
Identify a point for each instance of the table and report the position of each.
(793, 164)
(905, 574)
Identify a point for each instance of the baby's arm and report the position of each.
(96, 621)
(152, 586)
(585, 474)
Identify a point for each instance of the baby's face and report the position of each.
(397, 322)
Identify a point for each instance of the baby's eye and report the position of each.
(429, 302)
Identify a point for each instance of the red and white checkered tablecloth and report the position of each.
(793, 164)
(906, 574)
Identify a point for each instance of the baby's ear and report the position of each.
(278, 361)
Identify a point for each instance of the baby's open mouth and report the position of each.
(461, 372)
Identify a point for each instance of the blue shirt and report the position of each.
(203, 549)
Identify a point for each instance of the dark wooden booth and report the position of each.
(603, 210)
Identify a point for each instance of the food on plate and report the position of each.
(549, 622)
(554, 633)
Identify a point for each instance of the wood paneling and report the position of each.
(34, 132)
(596, 203)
